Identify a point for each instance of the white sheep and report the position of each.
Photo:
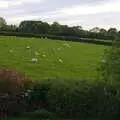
(34, 60)
(44, 55)
(59, 49)
(66, 45)
(28, 47)
(11, 51)
(60, 60)
(36, 53)
(103, 61)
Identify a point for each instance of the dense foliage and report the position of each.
(13, 82)
(62, 98)
(110, 64)
(75, 99)
(14, 87)
(56, 29)
(56, 37)
(80, 98)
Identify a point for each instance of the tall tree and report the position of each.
(55, 28)
(34, 27)
(103, 31)
(95, 30)
(112, 32)
(3, 23)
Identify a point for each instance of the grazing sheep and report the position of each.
(103, 61)
(28, 47)
(11, 51)
(44, 55)
(36, 53)
(66, 45)
(60, 60)
(59, 49)
(34, 60)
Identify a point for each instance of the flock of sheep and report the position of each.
(35, 59)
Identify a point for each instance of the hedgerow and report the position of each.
(54, 37)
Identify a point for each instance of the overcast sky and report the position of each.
(86, 13)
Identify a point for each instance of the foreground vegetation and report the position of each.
(72, 99)
(56, 59)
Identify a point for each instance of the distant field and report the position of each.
(55, 58)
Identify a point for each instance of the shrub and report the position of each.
(104, 100)
(75, 99)
(78, 99)
(12, 81)
(110, 64)
(42, 114)
(13, 90)
(38, 96)
(69, 98)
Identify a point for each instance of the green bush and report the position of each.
(110, 64)
(13, 82)
(40, 114)
(13, 90)
(72, 99)
(82, 98)
(38, 97)
(68, 99)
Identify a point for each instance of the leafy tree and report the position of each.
(34, 27)
(67, 31)
(103, 31)
(112, 32)
(2, 23)
(11, 28)
(95, 30)
(55, 28)
(77, 30)
(26, 26)
(42, 27)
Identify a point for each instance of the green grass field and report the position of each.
(55, 58)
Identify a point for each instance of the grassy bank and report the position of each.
(56, 59)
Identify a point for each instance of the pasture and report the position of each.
(45, 58)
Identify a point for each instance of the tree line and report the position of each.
(40, 27)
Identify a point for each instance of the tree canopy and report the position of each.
(40, 27)
(3, 23)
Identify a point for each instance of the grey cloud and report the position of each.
(46, 10)
(47, 6)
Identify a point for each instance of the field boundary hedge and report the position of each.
(63, 98)
(54, 37)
